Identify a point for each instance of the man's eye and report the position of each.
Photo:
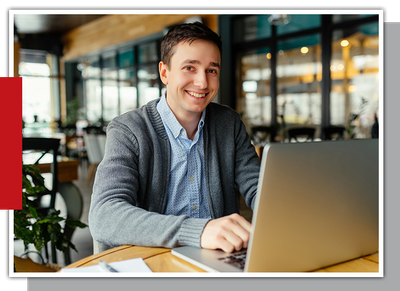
(188, 68)
(212, 71)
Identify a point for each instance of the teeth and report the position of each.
(197, 95)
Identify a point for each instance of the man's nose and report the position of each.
(201, 80)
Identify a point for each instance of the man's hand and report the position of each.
(228, 233)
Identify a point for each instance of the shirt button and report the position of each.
(191, 178)
(183, 132)
(194, 207)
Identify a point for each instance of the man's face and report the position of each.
(192, 77)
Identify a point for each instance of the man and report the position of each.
(172, 167)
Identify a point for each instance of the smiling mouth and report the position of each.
(196, 95)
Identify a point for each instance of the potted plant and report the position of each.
(37, 227)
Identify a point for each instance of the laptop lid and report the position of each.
(316, 205)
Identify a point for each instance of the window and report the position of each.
(119, 80)
(347, 17)
(355, 78)
(127, 85)
(299, 72)
(40, 85)
(287, 75)
(251, 28)
(255, 86)
(91, 73)
(296, 23)
(93, 100)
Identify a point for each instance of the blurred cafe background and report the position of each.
(292, 78)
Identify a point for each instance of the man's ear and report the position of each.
(162, 68)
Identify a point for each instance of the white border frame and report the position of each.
(219, 12)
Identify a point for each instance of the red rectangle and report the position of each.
(11, 143)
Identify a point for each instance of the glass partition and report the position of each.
(109, 66)
(128, 95)
(297, 22)
(118, 80)
(93, 100)
(126, 57)
(40, 91)
(299, 72)
(251, 28)
(110, 100)
(355, 79)
(91, 67)
(148, 53)
(326, 71)
(255, 87)
(148, 85)
(338, 18)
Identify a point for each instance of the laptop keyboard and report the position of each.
(237, 260)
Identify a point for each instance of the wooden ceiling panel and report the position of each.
(51, 23)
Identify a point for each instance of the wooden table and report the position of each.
(67, 167)
(161, 260)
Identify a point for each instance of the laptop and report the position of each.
(317, 205)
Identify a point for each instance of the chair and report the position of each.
(101, 138)
(333, 132)
(46, 146)
(307, 132)
(263, 134)
(93, 153)
(94, 129)
(74, 203)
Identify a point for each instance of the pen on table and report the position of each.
(106, 267)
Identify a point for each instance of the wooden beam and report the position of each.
(116, 29)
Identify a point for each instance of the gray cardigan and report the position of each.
(130, 188)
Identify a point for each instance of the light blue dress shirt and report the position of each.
(187, 193)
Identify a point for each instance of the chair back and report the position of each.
(307, 132)
(263, 134)
(333, 132)
(45, 146)
(101, 139)
(92, 148)
(74, 203)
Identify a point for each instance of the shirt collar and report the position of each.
(170, 120)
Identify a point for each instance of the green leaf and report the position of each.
(72, 246)
(51, 219)
(54, 231)
(33, 212)
(38, 240)
(75, 223)
(24, 234)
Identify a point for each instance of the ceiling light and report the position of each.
(344, 43)
(304, 50)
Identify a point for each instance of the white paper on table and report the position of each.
(133, 266)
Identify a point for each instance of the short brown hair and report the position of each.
(186, 32)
